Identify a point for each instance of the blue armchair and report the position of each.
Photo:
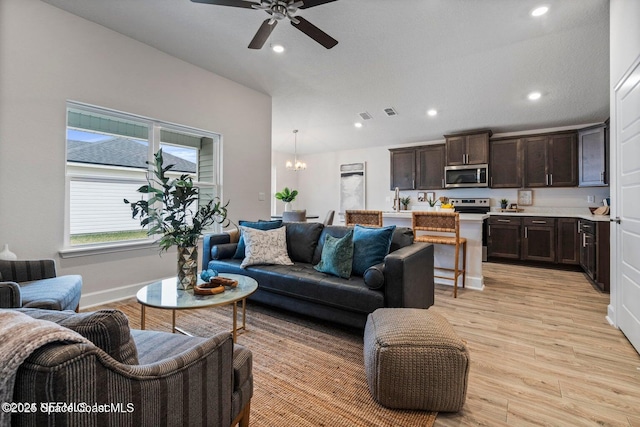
(35, 284)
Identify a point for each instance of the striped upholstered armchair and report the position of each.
(143, 378)
(35, 284)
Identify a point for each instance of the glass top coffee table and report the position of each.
(164, 294)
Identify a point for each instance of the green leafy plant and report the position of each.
(504, 201)
(287, 195)
(405, 201)
(432, 202)
(172, 209)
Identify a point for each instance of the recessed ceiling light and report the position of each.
(278, 48)
(358, 125)
(534, 96)
(432, 112)
(539, 11)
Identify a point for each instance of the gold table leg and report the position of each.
(244, 314)
(235, 321)
(143, 316)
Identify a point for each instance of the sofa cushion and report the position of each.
(106, 329)
(337, 256)
(302, 239)
(370, 246)
(260, 225)
(402, 236)
(302, 281)
(224, 251)
(374, 276)
(265, 247)
(56, 293)
(330, 230)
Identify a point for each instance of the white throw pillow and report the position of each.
(265, 246)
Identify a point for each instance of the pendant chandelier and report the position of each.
(296, 165)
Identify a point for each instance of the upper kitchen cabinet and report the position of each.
(506, 164)
(418, 168)
(469, 148)
(551, 160)
(430, 162)
(403, 168)
(593, 156)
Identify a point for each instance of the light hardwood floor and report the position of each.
(542, 352)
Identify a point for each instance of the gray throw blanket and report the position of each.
(20, 335)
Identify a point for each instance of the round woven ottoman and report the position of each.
(414, 360)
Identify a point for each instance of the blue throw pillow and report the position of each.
(260, 225)
(337, 256)
(370, 246)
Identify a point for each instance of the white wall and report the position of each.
(48, 56)
(282, 177)
(320, 191)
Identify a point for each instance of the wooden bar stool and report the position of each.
(447, 225)
(363, 217)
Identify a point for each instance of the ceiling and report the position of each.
(474, 61)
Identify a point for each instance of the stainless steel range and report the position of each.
(476, 205)
(468, 205)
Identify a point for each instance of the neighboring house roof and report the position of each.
(120, 152)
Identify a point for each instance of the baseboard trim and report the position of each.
(472, 282)
(110, 295)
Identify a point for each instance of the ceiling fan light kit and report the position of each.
(279, 10)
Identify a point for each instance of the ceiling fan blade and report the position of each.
(233, 3)
(311, 3)
(263, 34)
(314, 32)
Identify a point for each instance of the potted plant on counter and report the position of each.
(432, 204)
(287, 196)
(174, 212)
(405, 202)
(503, 203)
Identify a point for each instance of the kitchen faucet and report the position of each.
(396, 200)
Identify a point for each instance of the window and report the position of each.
(107, 155)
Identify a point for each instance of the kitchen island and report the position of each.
(471, 228)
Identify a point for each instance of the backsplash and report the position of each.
(543, 198)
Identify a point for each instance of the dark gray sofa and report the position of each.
(407, 272)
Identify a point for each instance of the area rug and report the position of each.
(306, 372)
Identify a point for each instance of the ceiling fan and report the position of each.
(279, 10)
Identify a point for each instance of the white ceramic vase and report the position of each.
(287, 207)
(6, 254)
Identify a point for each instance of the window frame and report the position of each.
(154, 142)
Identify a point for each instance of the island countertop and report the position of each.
(463, 216)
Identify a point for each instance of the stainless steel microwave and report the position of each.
(465, 176)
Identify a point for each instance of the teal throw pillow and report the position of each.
(337, 256)
(258, 225)
(370, 246)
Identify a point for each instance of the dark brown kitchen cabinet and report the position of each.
(539, 239)
(403, 168)
(594, 252)
(550, 160)
(469, 148)
(503, 237)
(568, 248)
(593, 157)
(430, 162)
(506, 164)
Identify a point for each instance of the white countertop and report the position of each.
(581, 213)
(557, 213)
(409, 215)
